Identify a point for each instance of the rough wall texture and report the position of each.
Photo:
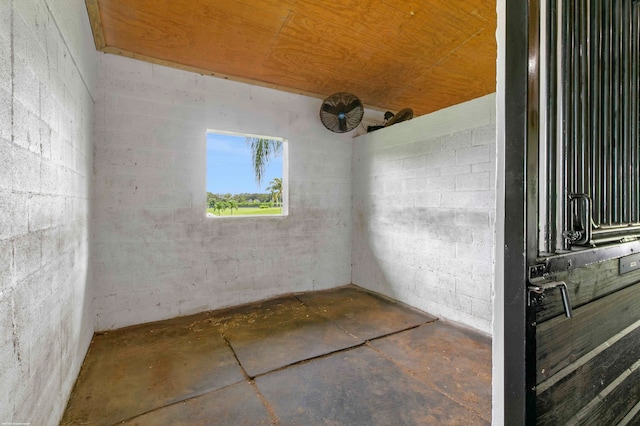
(156, 254)
(424, 212)
(423, 203)
(45, 170)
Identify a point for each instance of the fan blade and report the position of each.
(341, 112)
(331, 109)
(351, 106)
(342, 122)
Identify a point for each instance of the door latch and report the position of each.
(539, 282)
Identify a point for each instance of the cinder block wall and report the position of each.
(47, 65)
(423, 197)
(424, 212)
(156, 255)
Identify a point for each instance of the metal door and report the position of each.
(572, 268)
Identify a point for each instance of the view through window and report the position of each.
(245, 175)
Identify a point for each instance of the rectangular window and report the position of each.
(247, 175)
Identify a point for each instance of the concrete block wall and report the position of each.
(424, 212)
(156, 255)
(46, 323)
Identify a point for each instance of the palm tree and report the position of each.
(262, 150)
(233, 204)
(275, 186)
(219, 207)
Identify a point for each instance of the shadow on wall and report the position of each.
(424, 211)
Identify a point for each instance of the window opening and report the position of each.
(246, 175)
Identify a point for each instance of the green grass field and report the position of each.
(246, 211)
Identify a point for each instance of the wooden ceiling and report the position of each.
(392, 54)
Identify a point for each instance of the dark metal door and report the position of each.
(578, 278)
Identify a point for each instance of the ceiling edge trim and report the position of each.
(95, 20)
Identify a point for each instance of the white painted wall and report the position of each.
(498, 340)
(46, 323)
(424, 212)
(156, 254)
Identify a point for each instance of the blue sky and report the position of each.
(229, 167)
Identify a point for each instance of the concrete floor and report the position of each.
(337, 357)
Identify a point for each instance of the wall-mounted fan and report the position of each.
(341, 112)
(391, 119)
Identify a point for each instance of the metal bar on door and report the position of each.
(596, 109)
(551, 130)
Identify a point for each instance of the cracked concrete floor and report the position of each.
(342, 357)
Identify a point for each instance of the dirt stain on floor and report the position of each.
(319, 357)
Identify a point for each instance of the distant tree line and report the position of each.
(235, 201)
(222, 202)
(240, 198)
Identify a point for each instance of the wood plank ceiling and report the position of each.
(392, 54)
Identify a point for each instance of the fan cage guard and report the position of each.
(341, 112)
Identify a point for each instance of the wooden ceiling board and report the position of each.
(193, 33)
(424, 54)
(375, 71)
(344, 62)
(393, 29)
(450, 81)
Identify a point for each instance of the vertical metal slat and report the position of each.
(566, 120)
(617, 146)
(625, 105)
(593, 118)
(551, 130)
(635, 113)
(607, 176)
(596, 109)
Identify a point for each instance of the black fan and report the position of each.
(341, 112)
